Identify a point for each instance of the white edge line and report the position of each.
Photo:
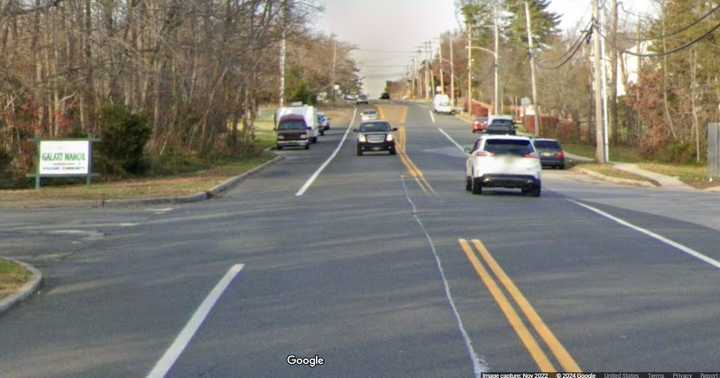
(452, 141)
(478, 366)
(317, 173)
(653, 235)
(171, 355)
(432, 116)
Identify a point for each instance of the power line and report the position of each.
(657, 55)
(574, 50)
(676, 32)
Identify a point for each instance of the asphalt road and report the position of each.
(385, 266)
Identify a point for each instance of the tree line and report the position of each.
(193, 73)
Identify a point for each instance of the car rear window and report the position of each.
(547, 144)
(500, 129)
(502, 122)
(292, 125)
(374, 127)
(512, 147)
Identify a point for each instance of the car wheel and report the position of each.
(322, 132)
(313, 140)
(279, 147)
(468, 183)
(392, 151)
(307, 146)
(477, 185)
(359, 151)
(562, 165)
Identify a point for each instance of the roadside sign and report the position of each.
(64, 158)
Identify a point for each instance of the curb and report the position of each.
(25, 291)
(199, 197)
(615, 180)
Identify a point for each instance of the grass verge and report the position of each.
(174, 186)
(12, 277)
(693, 175)
(609, 170)
(617, 153)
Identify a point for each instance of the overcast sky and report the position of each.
(387, 32)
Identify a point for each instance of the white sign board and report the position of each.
(64, 158)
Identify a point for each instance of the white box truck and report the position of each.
(307, 112)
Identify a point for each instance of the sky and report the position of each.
(388, 32)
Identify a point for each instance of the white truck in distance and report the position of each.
(441, 104)
(306, 111)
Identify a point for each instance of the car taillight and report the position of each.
(531, 155)
(484, 154)
(303, 136)
(560, 155)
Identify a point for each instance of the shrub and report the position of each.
(124, 135)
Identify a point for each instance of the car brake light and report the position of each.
(560, 155)
(484, 154)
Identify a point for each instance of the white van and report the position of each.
(441, 104)
(306, 111)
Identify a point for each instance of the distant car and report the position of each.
(292, 130)
(500, 126)
(350, 98)
(551, 153)
(323, 123)
(385, 96)
(375, 136)
(480, 124)
(503, 162)
(362, 99)
(368, 115)
(441, 104)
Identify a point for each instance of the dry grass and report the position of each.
(12, 277)
(609, 170)
(694, 175)
(127, 189)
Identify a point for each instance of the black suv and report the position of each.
(375, 136)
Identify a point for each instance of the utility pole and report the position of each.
(442, 64)
(599, 138)
(469, 69)
(614, 79)
(430, 71)
(603, 72)
(283, 55)
(497, 62)
(452, 70)
(332, 76)
(532, 69)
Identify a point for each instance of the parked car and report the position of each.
(362, 99)
(441, 104)
(503, 161)
(323, 123)
(385, 96)
(292, 131)
(551, 152)
(480, 124)
(368, 115)
(307, 112)
(375, 136)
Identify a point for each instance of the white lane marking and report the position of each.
(452, 141)
(160, 211)
(317, 173)
(479, 366)
(432, 116)
(653, 235)
(171, 355)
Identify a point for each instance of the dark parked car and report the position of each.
(375, 136)
(385, 96)
(551, 153)
(501, 127)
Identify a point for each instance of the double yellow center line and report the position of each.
(476, 252)
(400, 145)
